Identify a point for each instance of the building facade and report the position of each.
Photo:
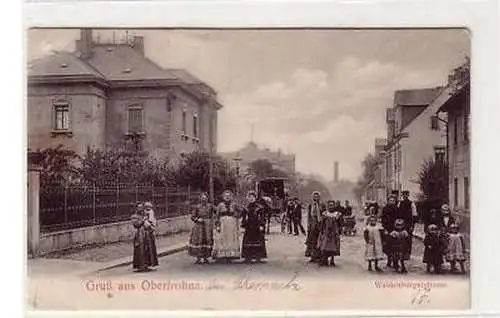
(414, 134)
(456, 107)
(110, 95)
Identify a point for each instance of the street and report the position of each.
(285, 258)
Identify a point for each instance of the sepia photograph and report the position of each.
(248, 169)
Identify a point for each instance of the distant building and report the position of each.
(110, 95)
(456, 104)
(251, 152)
(414, 134)
(376, 189)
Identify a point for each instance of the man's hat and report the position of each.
(405, 192)
(395, 192)
(432, 227)
(295, 197)
(148, 205)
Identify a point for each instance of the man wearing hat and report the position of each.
(407, 211)
(314, 211)
(297, 216)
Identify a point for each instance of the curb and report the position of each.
(128, 260)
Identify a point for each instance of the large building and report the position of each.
(111, 95)
(251, 152)
(414, 135)
(456, 105)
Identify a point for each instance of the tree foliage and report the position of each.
(194, 171)
(369, 166)
(58, 165)
(263, 168)
(124, 166)
(433, 180)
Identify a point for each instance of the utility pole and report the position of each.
(210, 160)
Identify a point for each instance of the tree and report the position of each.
(124, 166)
(369, 166)
(194, 171)
(58, 165)
(433, 180)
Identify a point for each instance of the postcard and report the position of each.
(248, 169)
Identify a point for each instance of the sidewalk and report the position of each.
(88, 260)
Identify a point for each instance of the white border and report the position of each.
(479, 16)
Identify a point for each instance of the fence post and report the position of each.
(117, 197)
(166, 201)
(65, 202)
(93, 202)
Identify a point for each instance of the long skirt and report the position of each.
(254, 244)
(455, 250)
(312, 249)
(201, 240)
(227, 241)
(145, 254)
(329, 244)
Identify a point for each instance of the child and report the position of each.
(329, 237)
(373, 240)
(456, 248)
(399, 246)
(434, 249)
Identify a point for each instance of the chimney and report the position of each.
(84, 45)
(138, 44)
(336, 172)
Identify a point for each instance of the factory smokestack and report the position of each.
(336, 172)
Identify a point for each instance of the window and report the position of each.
(135, 119)
(434, 123)
(184, 123)
(455, 192)
(439, 154)
(466, 192)
(195, 126)
(61, 116)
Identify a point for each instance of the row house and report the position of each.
(414, 135)
(110, 95)
(456, 108)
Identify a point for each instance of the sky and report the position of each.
(320, 94)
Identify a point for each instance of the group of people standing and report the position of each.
(324, 227)
(216, 230)
(392, 239)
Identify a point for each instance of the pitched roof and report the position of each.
(122, 62)
(415, 97)
(61, 64)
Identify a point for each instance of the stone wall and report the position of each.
(105, 233)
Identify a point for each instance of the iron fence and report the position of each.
(69, 207)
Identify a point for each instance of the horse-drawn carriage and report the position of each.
(272, 191)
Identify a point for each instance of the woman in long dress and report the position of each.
(253, 221)
(226, 236)
(201, 240)
(144, 257)
(314, 210)
(150, 223)
(329, 235)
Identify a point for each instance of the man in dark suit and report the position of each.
(296, 216)
(406, 211)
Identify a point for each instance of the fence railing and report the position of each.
(69, 207)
